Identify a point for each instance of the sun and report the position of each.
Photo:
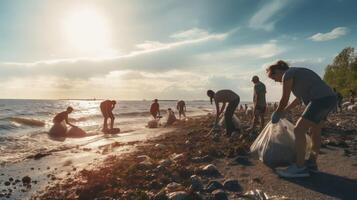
(87, 32)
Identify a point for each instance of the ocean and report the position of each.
(24, 124)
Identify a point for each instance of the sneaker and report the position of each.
(293, 171)
(311, 165)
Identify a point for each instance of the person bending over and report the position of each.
(106, 107)
(225, 97)
(319, 99)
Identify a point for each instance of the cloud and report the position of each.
(193, 33)
(262, 51)
(334, 34)
(263, 19)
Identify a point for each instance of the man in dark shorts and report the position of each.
(319, 98)
(181, 107)
(106, 107)
(155, 109)
(259, 103)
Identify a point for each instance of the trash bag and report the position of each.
(75, 132)
(275, 145)
(235, 120)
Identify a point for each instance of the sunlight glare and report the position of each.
(87, 32)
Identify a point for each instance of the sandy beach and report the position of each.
(173, 163)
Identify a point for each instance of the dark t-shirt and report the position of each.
(307, 85)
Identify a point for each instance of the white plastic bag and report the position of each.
(235, 120)
(275, 145)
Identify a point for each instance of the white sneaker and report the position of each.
(293, 171)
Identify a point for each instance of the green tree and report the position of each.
(342, 73)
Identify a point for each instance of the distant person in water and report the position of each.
(171, 118)
(155, 109)
(63, 117)
(106, 108)
(319, 99)
(226, 97)
(59, 128)
(259, 103)
(181, 107)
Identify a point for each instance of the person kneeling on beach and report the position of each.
(320, 99)
(59, 129)
(171, 118)
(155, 109)
(225, 96)
(106, 108)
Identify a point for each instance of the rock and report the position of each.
(210, 170)
(176, 157)
(206, 158)
(180, 195)
(219, 195)
(196, 184)
(232, 185)
(26, 180)
(11, 179)
(7, 183)
(165, 162)
(160, 196)
(174, 187)
(214, 185)
(160, 146)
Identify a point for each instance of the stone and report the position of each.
(26, 180)
(206, 158)
(165, 162)
(210, 170)
(196, 184)
(160, 146)
(180, 195)
(219, 195)
(160, 196)
(232, 185)
(173, 187)
(214, 185)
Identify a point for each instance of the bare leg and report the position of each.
(262, 121)
(111, 123)
(105, 124)
(254, 122)
(300, 130)
(316, 140)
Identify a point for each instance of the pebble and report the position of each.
(26, 180)
(210, 170)
(196, 184)
(214, 185)
(180, 195)
(219, 195)
(232, 185)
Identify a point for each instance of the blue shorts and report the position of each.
(318, 109)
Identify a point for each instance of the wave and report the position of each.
(28, 122)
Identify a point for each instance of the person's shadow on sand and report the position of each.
(329, 184)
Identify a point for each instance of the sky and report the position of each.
(165, 49)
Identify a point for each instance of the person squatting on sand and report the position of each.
(155, 109)
(171, 118)
(259, 102)
(106, 107)
(181, 107)
(225, 96)
(319, 99)
(59, 129)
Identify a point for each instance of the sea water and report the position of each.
(24, 124)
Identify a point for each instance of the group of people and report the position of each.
(308, 88)
(171, 117)
(106, 108)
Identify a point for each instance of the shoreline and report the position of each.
(168, 163)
